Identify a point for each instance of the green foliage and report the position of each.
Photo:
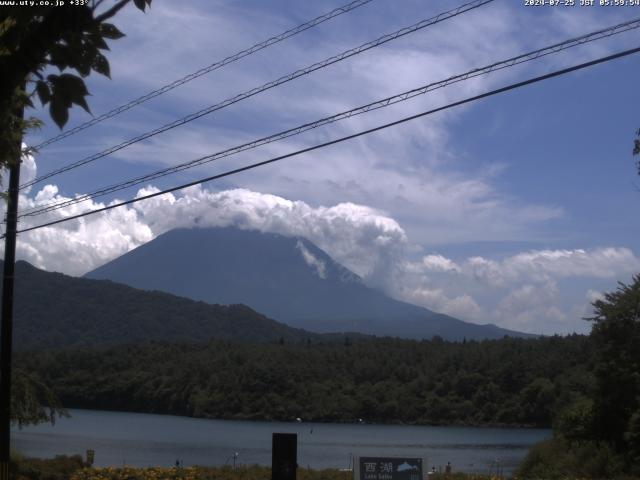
(598, 435)
(61, 92)
(14, 126)
(35, 38)
(383, 380)
(616, 335)
(32, 401)
(57, 311)
(560, 459)
(632, 440)
(72, 468)
(252, 472)
(575, 423)
(61, 467)
(462, 476)
(539, 399)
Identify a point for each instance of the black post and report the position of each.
(6, 330)
(284, 456)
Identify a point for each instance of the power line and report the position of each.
(590, 37)
(513, 86)
(208, 69)
(274, 83)
(609, 31)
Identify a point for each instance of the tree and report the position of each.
(32, 401)
(616, 332)
(575, 422)
(33, 39)
(632, 437)
(598, 435)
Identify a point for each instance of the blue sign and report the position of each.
(389, 468)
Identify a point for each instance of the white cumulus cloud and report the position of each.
(364, 239)
(522, 291)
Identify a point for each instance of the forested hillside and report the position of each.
(498, 382)
(53, 310)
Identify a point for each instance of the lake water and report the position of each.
(147, 440)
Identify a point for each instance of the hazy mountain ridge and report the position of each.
(286, 278)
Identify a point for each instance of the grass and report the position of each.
(61, 467)
(73, 468)
(200, 473)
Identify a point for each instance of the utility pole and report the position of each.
(6, 329)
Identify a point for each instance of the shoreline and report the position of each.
(320, 422)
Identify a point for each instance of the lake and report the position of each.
(158, 440)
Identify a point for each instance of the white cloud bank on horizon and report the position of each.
(521, 291)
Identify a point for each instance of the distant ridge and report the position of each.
(286, 278)
(53, 310)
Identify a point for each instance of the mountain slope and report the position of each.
(53, 310)
(289, 279)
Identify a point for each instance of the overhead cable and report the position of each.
(526, 57)
(208, 69)
(513, 86)
(274, 83)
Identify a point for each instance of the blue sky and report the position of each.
(515, 210)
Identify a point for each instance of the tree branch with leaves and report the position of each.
(32, 401)
(35, 40)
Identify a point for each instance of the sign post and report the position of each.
(388, 468)
(284, 456)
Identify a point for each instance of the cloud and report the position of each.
(593, 295)
(439, 263)
(485, 271)
(369, 203)
(462, 306)
(542, 265)
(318, 265)
(28, 169)
(364, 239)
(521, 291)
(412, 173)
(531, 305)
